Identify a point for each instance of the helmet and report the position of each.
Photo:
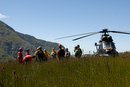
(20, 49)
(27, 49)
(59, 45)
(38, 48)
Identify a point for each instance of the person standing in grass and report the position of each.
(53, 53)
(67, 53)
(20, 55)
(47, 54)
(60, 52)
(79, 51)
(28, 58)
(40, 54)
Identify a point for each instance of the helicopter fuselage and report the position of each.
(106, 46)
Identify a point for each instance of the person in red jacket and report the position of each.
(27, 53)
(28, 58)
(20, 55)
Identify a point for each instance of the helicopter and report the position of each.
(106, 46)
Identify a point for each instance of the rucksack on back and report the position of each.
(61, 52)
(40, 54)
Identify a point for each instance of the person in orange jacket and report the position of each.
(20, 55)
(27, 52)
(28, 58)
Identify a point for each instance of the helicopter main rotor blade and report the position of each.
(86, 36)
(119, 32)
(74, 35)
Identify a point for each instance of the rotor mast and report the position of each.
(105, 31)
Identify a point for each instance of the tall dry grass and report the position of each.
(84, 72)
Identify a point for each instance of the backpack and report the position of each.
(40, 54)
(76, 53)
(61, 53)
(79, 52)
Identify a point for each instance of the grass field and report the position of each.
(84, 72)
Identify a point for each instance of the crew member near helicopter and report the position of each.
(28, 58)
(78, 51)
(20, 55)
(60, 52)
(67, 53)
(53, 53)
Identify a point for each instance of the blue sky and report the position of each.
(50, 19)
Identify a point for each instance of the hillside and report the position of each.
(11, 41)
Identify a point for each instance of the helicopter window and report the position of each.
(107, 45)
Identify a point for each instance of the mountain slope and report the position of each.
(11, 41)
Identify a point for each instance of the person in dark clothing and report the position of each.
(79, 51)
(60, 52)
(40, 54)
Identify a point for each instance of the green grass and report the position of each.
(84, 72)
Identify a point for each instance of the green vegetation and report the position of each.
(11, 41)
(84, 72)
